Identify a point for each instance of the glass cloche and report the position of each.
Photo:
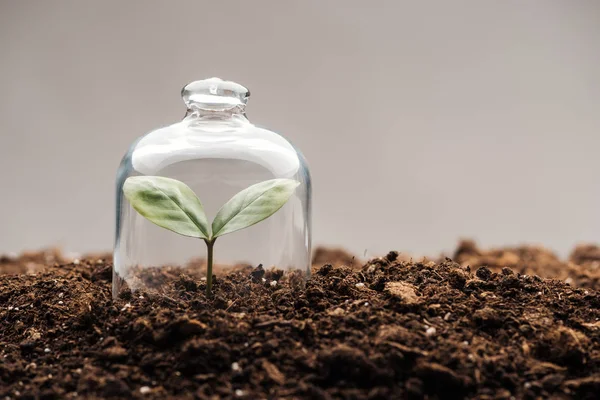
(211, 192)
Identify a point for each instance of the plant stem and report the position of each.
(209, 266)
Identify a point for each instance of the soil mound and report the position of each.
(384, 329)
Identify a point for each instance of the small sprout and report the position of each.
(47, 350)
(239, 392)
(360, 285)
(60, 295)
(61, 302)
(273, 283)
(430, 331)
(235, 367)
(172, 205)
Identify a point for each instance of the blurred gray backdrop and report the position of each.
(422, 121)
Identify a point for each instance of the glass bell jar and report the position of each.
(214, 193)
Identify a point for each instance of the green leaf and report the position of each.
(253, 205)
(168, 203)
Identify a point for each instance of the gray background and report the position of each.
(422, 121)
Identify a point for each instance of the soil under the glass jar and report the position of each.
(388, 328)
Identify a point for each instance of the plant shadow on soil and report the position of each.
(485, 325)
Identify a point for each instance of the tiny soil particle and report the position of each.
(489, 326)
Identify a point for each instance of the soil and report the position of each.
(582, 269)
(486, 327)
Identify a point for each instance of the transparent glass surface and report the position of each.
(217, 152)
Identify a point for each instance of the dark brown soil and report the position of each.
(385, 329)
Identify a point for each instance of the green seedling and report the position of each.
(172, 205)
